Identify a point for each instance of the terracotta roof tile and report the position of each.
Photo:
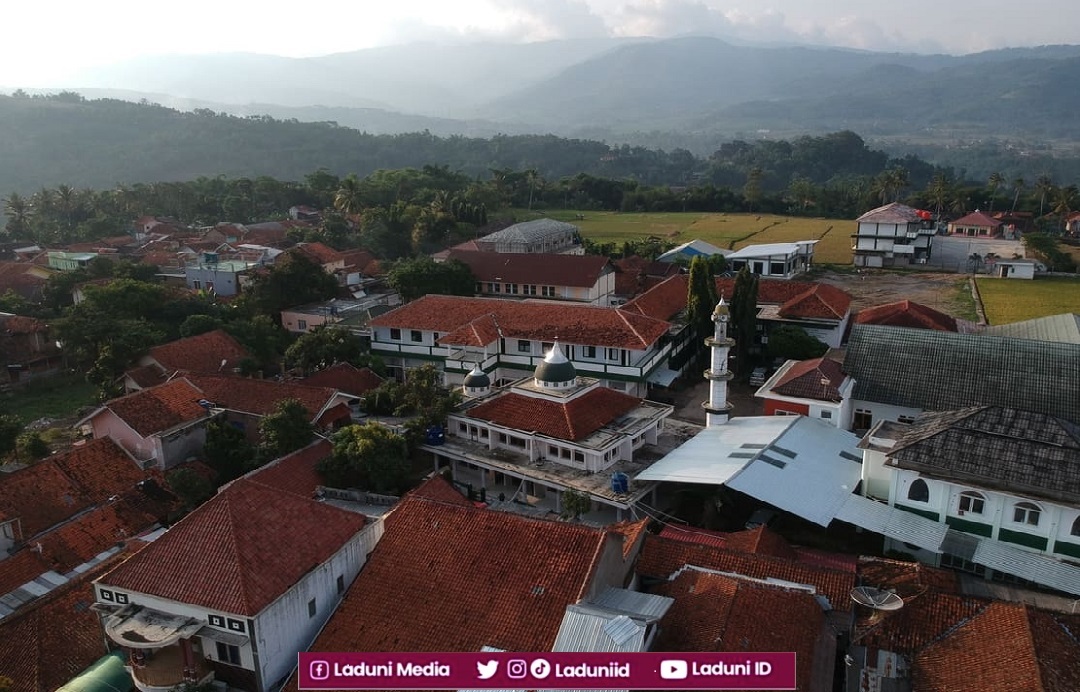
(541, 321)
(663, 301)
(25, 565)
(160, 408)
(146, 376)
(40, 496)
(482, 331)
(295, 473)
(663, 557)
(362, 261)
(321, 253)
(17, 324)
(906, 578)
(58, 636)
(581, 271)
(101, 468)
(759, 541)
(439, 489)
(346, 378)
(16, 276)
(258, 397)
(241, 550)
(632, 532)
(977, 218)
(925, 617)
(804, 380)
(905, 313)
(502, 581)
(819, 301)
(634, 274)
(574, 420)
(201, 353)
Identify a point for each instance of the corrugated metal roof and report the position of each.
(588, 629)
(803, 471)
(646, 606)
(894, 523)
(529, 231)
(1036, 567)
(716, 454)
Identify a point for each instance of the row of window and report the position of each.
(513, 289)
(971, 502)
(415, 335)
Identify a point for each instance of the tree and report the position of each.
(752, 189)
(369, 456)
(199, 324)
(938, 192)
(1064, 199)
(744, 316)
(1018, 187)
(192, 488)
(701, 297)
(421, 276)
(423, 395)
(293, 280)
(1044, 185)
(227, 451)
(574, 504)
(31, 445)
(286, 429)
(349, 197)
(995, 181)
(17, 211)
(10, 428)
(793, 343)
(322, 347)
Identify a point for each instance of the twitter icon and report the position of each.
(486, 671)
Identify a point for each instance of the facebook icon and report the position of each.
(319, 670)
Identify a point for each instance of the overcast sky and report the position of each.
(44, 42)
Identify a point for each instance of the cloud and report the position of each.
(537, 20)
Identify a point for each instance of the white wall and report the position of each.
(879, 412)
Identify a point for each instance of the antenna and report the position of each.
(876, 599)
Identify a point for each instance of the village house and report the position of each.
(321, 254)
(894, 235)
(346, 378)
(634, 275)
(27, 351)
(354, 315)
(976, 225)
(212, 274)
(262, 570)
(1016, 268)
(210, 352)
(906, 313)
(508, 339)
(25, 279)
(814, 388)
(775, 260)
(582, 278)
(541, 437)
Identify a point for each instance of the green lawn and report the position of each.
(1015, 300)
(730, 231)
(58, 397)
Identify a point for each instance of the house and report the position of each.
(814, 388)
(26, 349)
(634, 275)
(354, 315)
(159, 426)
(775, 260)
(555, 432)
(821, 310)
(323, 255)
(234, 590)
(545, 236)
(361, 269)
(906, 313)
(70, 261)
(215, 351)
(221, 277)
(346, 378)
(1014, 223)
(1056, 328)
(1003, 481)
(510, 338)
(683, 254)
(894, 235)
(1017, 268)
(976, 225)
(24, 279)
(582, 278)
(302, 212)
(244, 401)
(900, 373)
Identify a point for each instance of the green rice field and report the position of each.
(1015, 300)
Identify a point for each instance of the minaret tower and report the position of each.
(717, 408)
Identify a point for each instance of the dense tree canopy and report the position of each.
(369, 456)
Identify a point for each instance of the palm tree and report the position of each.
(995, 181)
(1044, 184)
(532, 177)
(17, 211)
(938, 192)
(1018, 185)
(348, 199)
(1064, 198)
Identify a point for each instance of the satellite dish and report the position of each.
(877, 599)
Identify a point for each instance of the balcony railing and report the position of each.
(163, 669)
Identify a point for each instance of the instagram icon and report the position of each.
(319, 670)
(517, 668)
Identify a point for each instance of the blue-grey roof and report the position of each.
(1061, 328)
(530, 231)
(942, 371)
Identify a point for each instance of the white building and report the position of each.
(234, 590)
(541, 235)
(894, 235)
(775, 260)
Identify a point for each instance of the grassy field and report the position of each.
(57, 397)
(730, 231)
(1014, 300)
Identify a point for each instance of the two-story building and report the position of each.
(580, 278)
(548, 434)
(1004, 481)
(894, 235)
(775, 260)
(508, 339)
(212, 274)
(235, 590)
(814, 388)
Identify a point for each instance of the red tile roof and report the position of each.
(634, 275)
(580, 271)
(906, 578)
(295, 473)
(482, 331)
(361, 261)
(453, 578)
(663, 301)
(17, 324)
(573, 420)
(160, 408)
(977, 218)
(16, 276)
(663, 557)
(346, 378)
(201, 353)
(717, 613)
(237, 553)
(40, 496)
(146, 376)
(55, 638)
(25, 565)
(321, 253)
(1005, 647)
(632, 533)
(258, 397)
(100, 467)
(804, 380)
(759, 541)
(439, 489)
(925, 617)
(905, 313)
(540, 321)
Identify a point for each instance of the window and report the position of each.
(416, 336)
(961, 564)
(919, 491)
(590, 351)
(579, 456)
(972, 503)
(905, 419)
(210, 286)
(548, 291)
(511, 289)
(1025, 513)
(236, 625)
(1075, 527)
(613, 354)
(479, 287)
(341, 583)
(227, 653)
(826, 414)
(197, 285)
(311, 608)
(777, 268)
(546, 347)
(524, 346)
(528, 290)
(217, 621)
(395, 335)
(493, 287)
(107, 595)
(121, 598)
(301, 324)
(863, 419)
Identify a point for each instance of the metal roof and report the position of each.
(692, 249)
(1063, 329)
(939, 371)
(894, 523)
(770, 249)
(587, 629)
(646, 606)
(530, 231)
(810, 470)
(1036, 567)
(716, 454)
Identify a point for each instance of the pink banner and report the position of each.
(547, 671)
